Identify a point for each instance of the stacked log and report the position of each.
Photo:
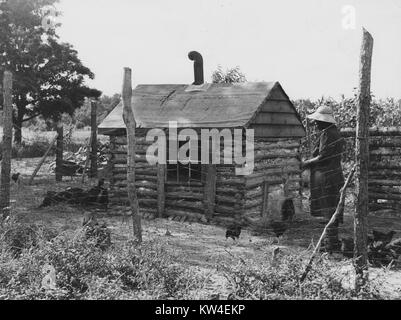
(145, 175)
(277, 168)
(384, 166)
(276, 163)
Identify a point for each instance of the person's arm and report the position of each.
(324, 152)
(310, 162)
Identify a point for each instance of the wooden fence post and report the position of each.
(210, 190)
(93, 155)
(129, 120)
(362, 162)
(161, 191)
(265, 199)
(7, 144)
(59, 151)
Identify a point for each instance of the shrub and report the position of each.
(84, 271)
(18, 236)
(280, 280)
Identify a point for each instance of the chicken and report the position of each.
(233, 231)
(278, 227)
(15, 177)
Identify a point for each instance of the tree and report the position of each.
(62, 87)
(105, 105)
(49, 76)
(232, 75)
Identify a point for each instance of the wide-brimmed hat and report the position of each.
(323, 113)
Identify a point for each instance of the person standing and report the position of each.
(326, 172)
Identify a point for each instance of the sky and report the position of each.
(311, 47)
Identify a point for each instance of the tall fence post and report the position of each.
(93, 155)
(7, 144)
(362, 162)
(129, 120)
(59, 151)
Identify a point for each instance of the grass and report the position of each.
(194, 262)
(35, 142)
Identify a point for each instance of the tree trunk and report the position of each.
(93, 155)
(59, 151)
(362, 162)
(129, 120)
(7, 145)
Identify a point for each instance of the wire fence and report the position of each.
(381, 223)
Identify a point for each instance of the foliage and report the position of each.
(84, 271)
(126, 270)
(232, 75)
(383, 113)
(106, 104)
(18, 237)
(79, 156)
(29, 149)
(280, 280)
(75, 148)
(48, 75)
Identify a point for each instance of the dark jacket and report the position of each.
(326, 174)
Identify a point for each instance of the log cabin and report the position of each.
(211, 192)
(384, 167)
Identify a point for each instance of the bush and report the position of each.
(280, 280)
(84, 271)
(18, 237)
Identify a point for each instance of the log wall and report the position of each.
(276, 164)
(145, 175)
(276, 177)
(384, 166)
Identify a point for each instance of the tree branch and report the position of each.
(339, 209)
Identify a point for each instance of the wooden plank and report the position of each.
(374, 131)
(384, 182)
(277, 106)
(276, 118)
(278, 131)
(185, 196)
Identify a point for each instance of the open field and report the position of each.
(30, 136)
(198, 247)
